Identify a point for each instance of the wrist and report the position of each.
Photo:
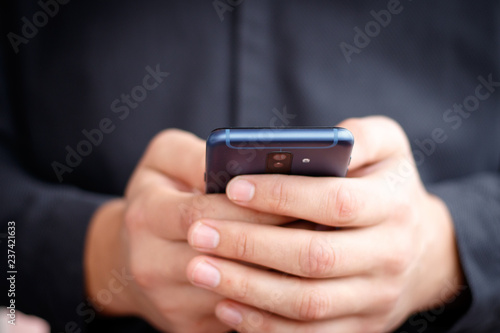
(443, 275)
(106, 280)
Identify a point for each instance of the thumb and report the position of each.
(377, 138)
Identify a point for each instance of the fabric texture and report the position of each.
(432, 66)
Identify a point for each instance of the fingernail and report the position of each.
(229, 315)
(204, 237)
(241, 190)
(206, 275)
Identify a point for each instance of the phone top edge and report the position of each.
(226, 158)
(296, 137)
(275, 128)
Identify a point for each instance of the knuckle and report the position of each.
(151, 202)
(398, 130)
(397, 262)
(341, 203)
(280, 198)
(161, 140)
(166, 135)
(350, 123)
(134, 218)
(388, 120)
(171, 312)
(142, 273)
(256, 323)
(190, 213)
(389, 299)
(134, 222)
(244, 247)
(312, 304)
(241, 293)
(403, 208)
(318, 259)
(158, 141)
(400, 259)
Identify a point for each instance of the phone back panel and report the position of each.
(315, 151)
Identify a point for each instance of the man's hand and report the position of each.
(395, 253)
(144, 234)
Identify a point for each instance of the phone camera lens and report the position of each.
(279, 162)
(279, 157)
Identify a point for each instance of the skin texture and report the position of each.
(395, 253)
(145, 235)
(196, 259)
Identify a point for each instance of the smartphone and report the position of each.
(308, 151)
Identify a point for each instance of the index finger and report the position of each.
(168, 213)
(328, 201)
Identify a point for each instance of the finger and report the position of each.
(145, 179)
(179, 155)
(247, 319)
(314, 254)
(185, 297)
(183, 308)
(166, 260)
(290, 297)
(166, 265)
(168, 213)
(377, 138)
(328, 201)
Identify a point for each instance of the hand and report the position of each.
(144, 235)
(395, 253)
